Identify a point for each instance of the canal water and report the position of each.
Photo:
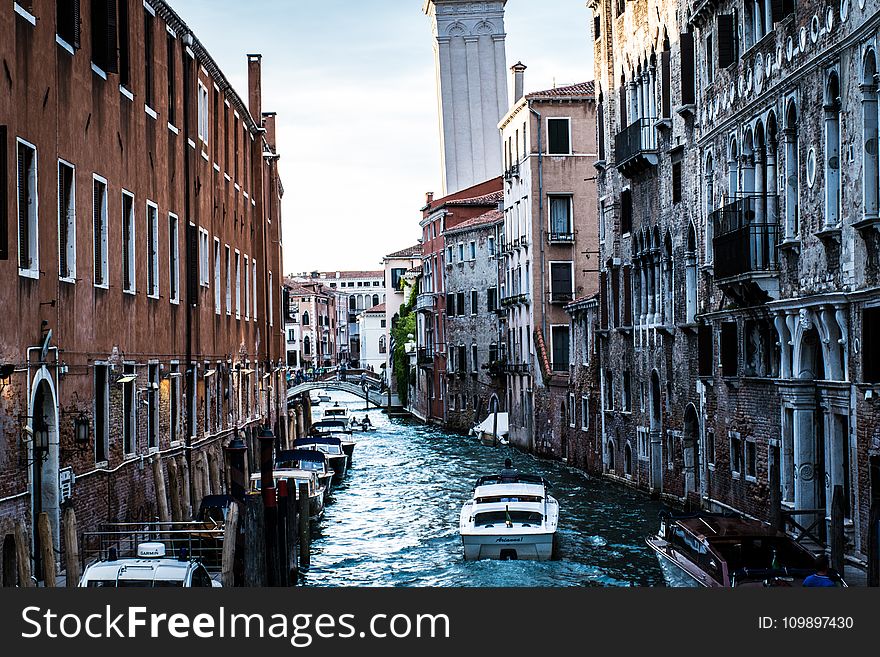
(394, 520)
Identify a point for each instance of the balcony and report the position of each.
(746, 237)
(427, 301)
(560, 367)
(635, 147)
(425, 357)
(515, 300)
(560, 238)
(561, 297)
(517, 368)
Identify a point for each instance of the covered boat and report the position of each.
(492, 432)
(307, 459)
(331, 447)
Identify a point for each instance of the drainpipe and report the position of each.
(541, 215)
(192, 286)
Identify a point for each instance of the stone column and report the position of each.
(658, 287)
(870, 145)
(771, 208)
(643, 290)
(805, 444)
(791, 182)
(768, 16)
(757, 231)
(652, 285)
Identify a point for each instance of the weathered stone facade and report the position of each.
(473, 334)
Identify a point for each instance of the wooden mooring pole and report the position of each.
(874, 544)
(255, 574)
(304, 537)
(71, 547)
(23, 555)
(230, 535)
(47, 551)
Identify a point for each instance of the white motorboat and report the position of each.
(337, 412)
(315, 487)
(509, 516)
(310, 460)
(150, 568)
(331, 446)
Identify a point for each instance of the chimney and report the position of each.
(429, 198)
(255, 85)
(269, 125)
(518, 71)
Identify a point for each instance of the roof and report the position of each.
(332, 275)
(487, 219)
(377, 309)
(583, 302)
(407, 253)
(581, 89)
(493, 198)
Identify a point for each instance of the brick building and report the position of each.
(438, 216)
(548, 249)
(473, 328)
(311, 322)
(139, 235)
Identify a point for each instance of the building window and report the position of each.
(710, 447)
(153, 407)
(561, 282)
(492, 299)
(104, 22)
(691, 276)
(149, 61)
(462, 359)
(66, 221)
(729, 349)
(642, 437)
(174, 405)
(625, 212)
(28, 237)
(459, 303)
(203, 113)
(558, 137)
(172, 87)
(751, 460)
(688, 68)
(129, 410)
(475, 362)
(832, 152)
(597, 26)
(559, 348)
(306, 319)
(474, 302)
(461, 252)
(228, 267)
(705, 350)
(627, 392)
(204, 255)
(247, 289)
(128, 243)
(490, 246)
(792, 170)
(217, 290)
(736, 455)
(254, 267)
(152, 250)
(727, 41)
(449, 255)
(585, 414)
(609, 390)
(676, 181)
(102, 413)
(99, 221)
(710, 63)
(174, 258)
(870, 347)
(67, 21)
(473, 250)
(560, 219)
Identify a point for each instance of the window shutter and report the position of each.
(75, 23)
(62, 221)
(192, 264)
(687, 68)
(111, 63)
(98, 243)
(4, 199)
(666, 83)
(23, 232)
(560, 280)
(705, 350)
(603, 299)
(778, 10)
(726, 37)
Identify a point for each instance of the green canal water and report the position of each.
(394, 520)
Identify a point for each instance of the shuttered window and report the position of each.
(4, 196)
(99, 235)
(666, 83)
(66, 222)
(603, 299)
(561, 283)
(705, 350)
(28, 259)
(128, 254)
(172, 88)
(688, 69)
(152, 250)
(149, 64)
(559, 338)
(729, 349)
(625, 211)
(726, 40)
(870, 346)
(67, 21)
(105, 44)
(174, 261)
(558, 140)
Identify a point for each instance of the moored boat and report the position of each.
(728, 550)
(331, 447)
(310, 460)
(494, 430)
(315, 487)
(509, 516)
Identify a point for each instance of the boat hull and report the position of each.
(339, 464)
(539, 547)
(677, 574)
(348, 448)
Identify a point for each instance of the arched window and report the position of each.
(832, 151)
(870, 169)
(691, 275)
(709, 181)
(306, 318)
(622, 92)
(375, 300)
(628, 460)
(747, 165)
(307, 346)
(668, 275)
(382, 347)
(665, 78)
(733, 171)
(792, 171)
(610, 452)
(352, 304)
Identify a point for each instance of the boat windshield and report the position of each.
(492, 518)
(768, 552)
(517, 498)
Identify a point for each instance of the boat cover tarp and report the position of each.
(486, 425)
(291, 455)
(317, 440)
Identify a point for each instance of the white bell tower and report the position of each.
(471, 67)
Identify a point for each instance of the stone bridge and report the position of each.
(373, 396)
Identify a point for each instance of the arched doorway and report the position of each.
(610, 455)
(692, 461)
(10, 562)
(43, 465)
(809, 445)
(656, 449)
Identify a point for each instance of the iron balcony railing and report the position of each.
(746, 236)
(514, 299)
(560, 238)
(425, 356)
(561, 297)
(560, 366)
(637, 138)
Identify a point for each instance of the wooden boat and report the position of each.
(331, 446)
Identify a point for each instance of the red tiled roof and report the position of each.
(331, 275)
(493, 198)
(584, 89)
(377, 309)
(491, 217)
(407, 253)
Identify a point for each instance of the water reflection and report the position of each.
(394, 520)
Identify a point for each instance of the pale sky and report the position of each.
(353, 84)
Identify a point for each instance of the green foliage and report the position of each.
(401, 328)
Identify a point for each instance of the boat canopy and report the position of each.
(318, 440)
(290, 455)
(486, 425)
